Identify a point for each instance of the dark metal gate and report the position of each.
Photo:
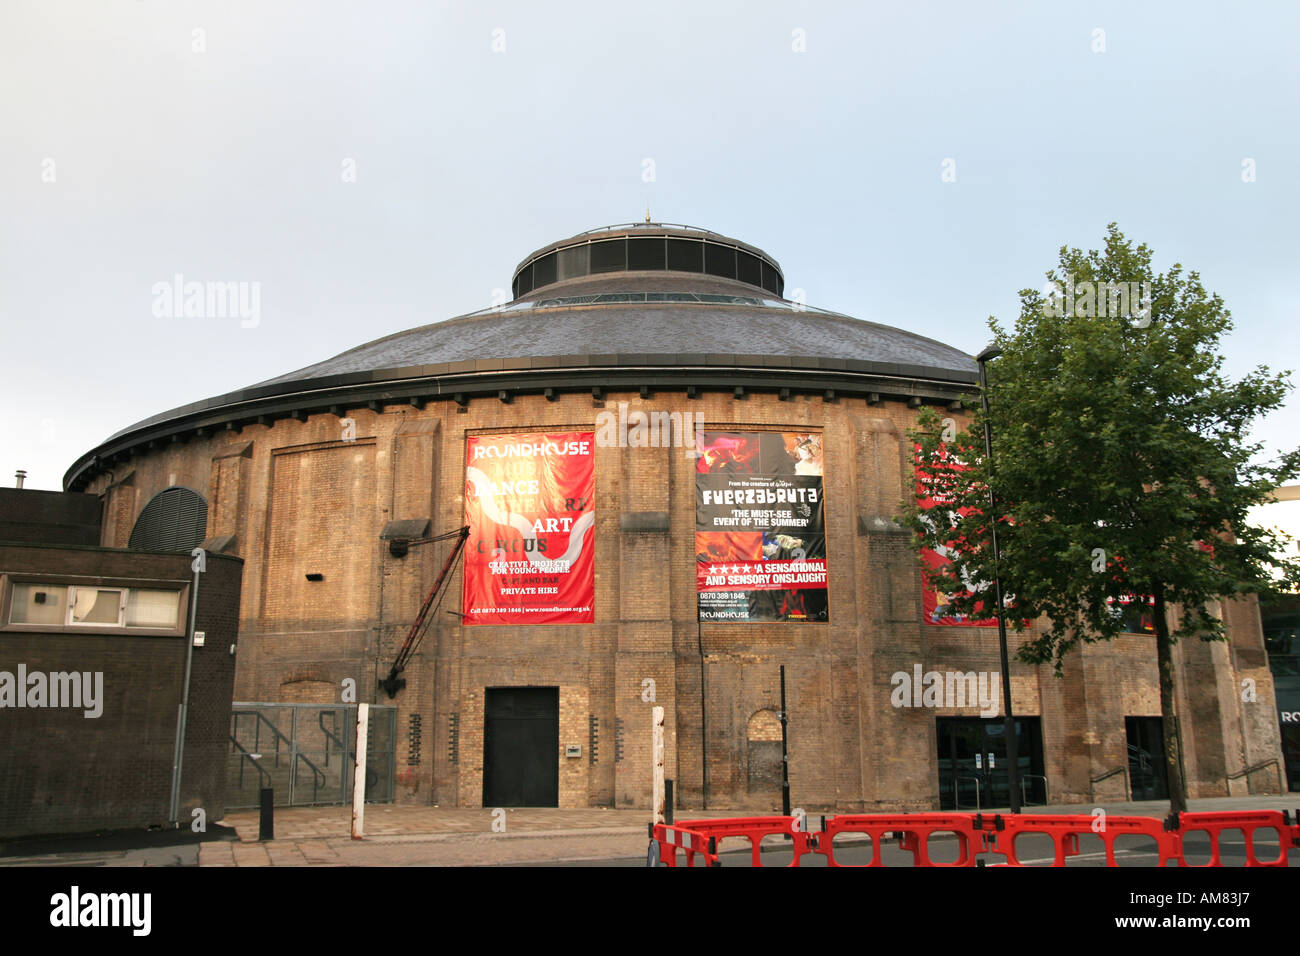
(305, 753)
(521, 747)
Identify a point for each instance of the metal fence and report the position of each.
(304, 752)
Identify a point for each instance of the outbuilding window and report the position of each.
(96, 606)
(39, 604)
(77, 606)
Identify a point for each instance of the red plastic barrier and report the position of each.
(670, 838)
(1065, 831)
(1248, 822)
(753, 828)
(914, 831)
(977, 833)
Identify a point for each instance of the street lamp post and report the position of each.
(1013, 749)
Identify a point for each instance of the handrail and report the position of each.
(235, 715)
(1128, 788)
(298, 754)
(329, 735)
(338, 779)
(1228, 778)
(251, 759)
(1024, 797)
(318, 776)
(956, 799)
(622, 226)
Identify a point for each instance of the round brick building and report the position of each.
(676, 481)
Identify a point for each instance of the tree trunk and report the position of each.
(1169, 720)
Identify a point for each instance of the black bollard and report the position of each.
(266, 822)
(668, 802)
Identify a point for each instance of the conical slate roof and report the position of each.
(660, 305)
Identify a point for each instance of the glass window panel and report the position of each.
(573, 262)
(719, 261)
(749, 268)
(95, 606)
(609, 256)
(726, 299)
(544, 271)
(152, 608)
(685, 255)
(38, 604)
(647, 254)
(524, 281)
(771, 280)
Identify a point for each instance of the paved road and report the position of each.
(432, 836)
(151, 856)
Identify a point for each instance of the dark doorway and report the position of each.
(521, 747)
(1291, 754)
(967, 747)
(763, 768)
(1147, 768)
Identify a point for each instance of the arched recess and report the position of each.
(175, 519)
(763, 766)
(306, 690)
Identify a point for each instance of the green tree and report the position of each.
(1121, 467)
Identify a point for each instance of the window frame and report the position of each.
(72, 606)
(90, 582)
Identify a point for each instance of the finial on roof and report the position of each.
(647, 213)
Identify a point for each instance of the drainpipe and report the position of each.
(199, 564)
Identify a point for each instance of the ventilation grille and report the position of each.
(175, 519)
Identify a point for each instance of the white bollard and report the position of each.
(359, 775)
(657, 760)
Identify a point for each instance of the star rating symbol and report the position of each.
(727, 569)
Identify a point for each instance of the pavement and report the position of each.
(441, 836)
(436, 836)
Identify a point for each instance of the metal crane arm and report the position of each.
(394, 681)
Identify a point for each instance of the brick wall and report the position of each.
(299, 498)
(66, 773)
(49, 517)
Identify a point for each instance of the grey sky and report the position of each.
(226, 163)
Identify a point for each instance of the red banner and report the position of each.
(934, 604)
(530, 506)
(1138, 614)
